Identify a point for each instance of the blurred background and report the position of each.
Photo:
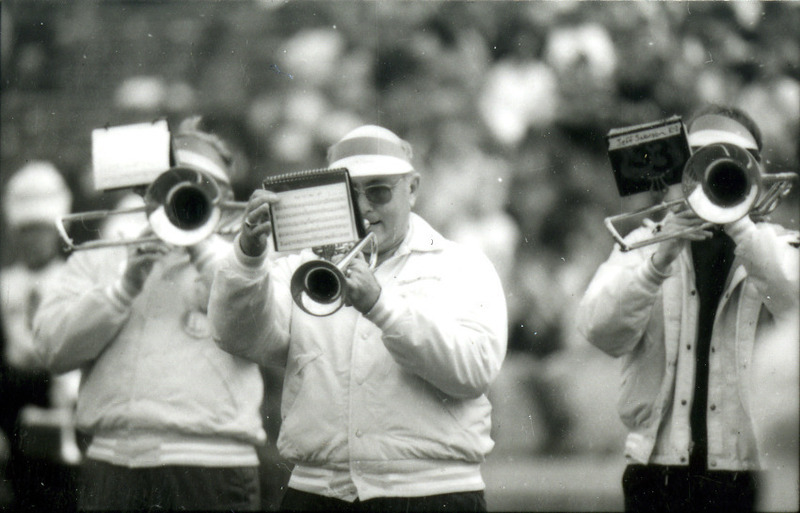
(506, 104)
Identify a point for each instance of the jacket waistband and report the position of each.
(149, 450)
(370, 479)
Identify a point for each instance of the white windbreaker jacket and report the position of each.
(155, 389)
(388, 404)
(650, 320)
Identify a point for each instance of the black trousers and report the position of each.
(295, 500)
(110, 487)
(660, 488)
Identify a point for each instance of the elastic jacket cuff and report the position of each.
(121, 294)
(247, 261)
(653, 274)
(382, 311)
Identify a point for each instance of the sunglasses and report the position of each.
(378, 194)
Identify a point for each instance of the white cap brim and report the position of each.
(373, 165)
(709, 136)
(186, 157)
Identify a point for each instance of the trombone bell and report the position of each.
(721, 183)
(181, 206)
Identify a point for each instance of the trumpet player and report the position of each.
(174, 421)
(384, 404)
(684, 315)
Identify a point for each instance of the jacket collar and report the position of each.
(420, 237)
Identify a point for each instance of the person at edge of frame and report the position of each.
(37, 406)
(384, 403)
(684, 315)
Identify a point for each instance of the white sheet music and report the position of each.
(129, 155)
(313, 216)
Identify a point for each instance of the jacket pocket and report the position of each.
(294, 379)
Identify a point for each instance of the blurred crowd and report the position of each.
(507, 105)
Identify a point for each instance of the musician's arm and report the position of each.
(80, 312)
(771, 256)
(250, 306)
(616, 307)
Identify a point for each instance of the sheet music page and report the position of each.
(129, 155)
(313, 216)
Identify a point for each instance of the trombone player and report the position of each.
(174, 421)
(384, 403)
(684, 315)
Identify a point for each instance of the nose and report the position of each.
(364, 205)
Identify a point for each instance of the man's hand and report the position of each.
(361, 289)
(255, 222)
(673, 223)
(141, 258)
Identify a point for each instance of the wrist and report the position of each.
(246, 260)
(121, 293)
(129, 286)
(250, 248)
(661, 264)
(370, 304)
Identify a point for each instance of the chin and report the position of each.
(381, 241)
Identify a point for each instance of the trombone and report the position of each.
(183, 206)
(317, 285)
(721, 183)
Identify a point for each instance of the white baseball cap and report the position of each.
(37, 193)
(201, 150)
(371, 150)
(716, 128)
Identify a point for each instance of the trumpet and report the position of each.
(317, 285)
(721, 183)
(183, 206)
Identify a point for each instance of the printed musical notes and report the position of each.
(315, 209)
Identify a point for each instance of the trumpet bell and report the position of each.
(316, 287)
(721, 182)
(181, 206)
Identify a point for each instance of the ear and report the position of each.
(413, 187)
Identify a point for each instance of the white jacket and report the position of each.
(156, 389)
(649, 319)
(394, 399)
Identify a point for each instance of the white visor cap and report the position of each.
(371, 150)
(195, 152)
(715, 128)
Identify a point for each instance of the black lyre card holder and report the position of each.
(648, 156)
